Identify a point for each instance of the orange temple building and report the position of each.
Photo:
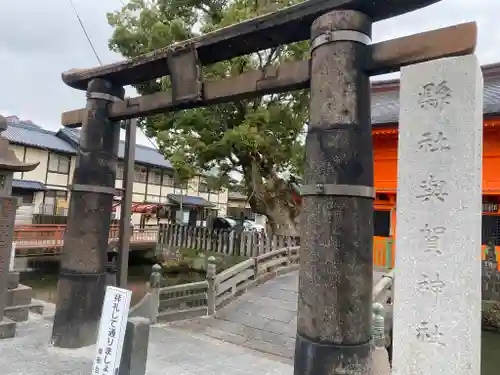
(385, 112)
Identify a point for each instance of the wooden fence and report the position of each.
(202, 298)
(230, 242)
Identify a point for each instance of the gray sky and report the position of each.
(41, 39)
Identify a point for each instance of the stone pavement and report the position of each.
(170, 352)
(263, 319)
(254, 334)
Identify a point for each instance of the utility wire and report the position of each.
(85, 31)
(142, 131)
(98, 58)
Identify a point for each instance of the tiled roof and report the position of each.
(146, 155)
(189, 200)
(236, 195)
(385, 97)
(28, 184)
(143, 154)
(28, 134)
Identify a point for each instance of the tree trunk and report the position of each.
(272, 196)
(282, 220)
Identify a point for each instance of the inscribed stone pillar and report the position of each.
(437, 311)
(82, 277)
(9, 164)
(336, 256)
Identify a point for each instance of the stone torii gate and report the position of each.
(336, 265)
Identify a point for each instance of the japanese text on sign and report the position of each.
(112, 331)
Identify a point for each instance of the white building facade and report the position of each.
(44, 191)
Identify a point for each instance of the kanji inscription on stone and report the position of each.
(432, 236)
(432, 188)
(435, 95)
(429, 333)
(433, 142)
(8, 206)
(431, 284)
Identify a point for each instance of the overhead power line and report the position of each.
(85, 31)
(97, 56)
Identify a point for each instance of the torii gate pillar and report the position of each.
(336, 267)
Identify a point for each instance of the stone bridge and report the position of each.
(263, 319)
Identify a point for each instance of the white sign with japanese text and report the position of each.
(111, 331)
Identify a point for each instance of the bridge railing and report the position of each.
(29, 238)
(204, 298)
(38, 235)
(201, 298)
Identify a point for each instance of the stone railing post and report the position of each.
(154, 285)
(380, 356)
(256, 267)
(211, 271)
(289, 253)
(378, 328)
(160, 240)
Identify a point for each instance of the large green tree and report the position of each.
(260, 140)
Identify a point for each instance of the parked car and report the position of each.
(253, 227)
(224, 223)
(229, 223)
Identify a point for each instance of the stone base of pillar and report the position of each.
(13, 280)
(19, 303)
(7, 328)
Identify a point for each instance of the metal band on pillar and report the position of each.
(339, 36)
(338, 190)
(79, 276)
(95, 189)
(103, 96)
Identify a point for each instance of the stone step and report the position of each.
(21, 295)
(13, 280)
(21, 313)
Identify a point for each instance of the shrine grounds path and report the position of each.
(254, 334)
(170, 352)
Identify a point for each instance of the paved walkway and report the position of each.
(263, 319)
(170, 352)
(253, 335)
